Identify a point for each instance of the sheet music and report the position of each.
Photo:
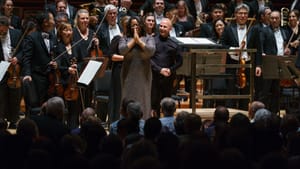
(89, 72)
(195, 41)
(3, 68)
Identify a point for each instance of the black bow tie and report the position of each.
(241, 27)
(45, 35)
(112, 26)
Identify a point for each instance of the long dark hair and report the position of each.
(129, 30)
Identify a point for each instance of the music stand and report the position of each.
(194, 43)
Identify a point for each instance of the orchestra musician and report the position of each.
(84, 36)
(68, 68)
(7, 9)
(239, 35)
(273, 39)
(292, 31)
(109, 29)
(10, 96)
(37, 59)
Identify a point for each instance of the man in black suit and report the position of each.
(234, 36)
(177, 29)
(10, 93)
(273, 39)
(37, 57)
(109, 28)
(62, 6)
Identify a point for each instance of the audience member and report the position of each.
(168, 109)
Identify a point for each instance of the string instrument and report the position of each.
(96, 53)
(241, 75)
(71, 93)
(55, 87)
(14, 80)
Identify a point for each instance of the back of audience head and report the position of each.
(179, 122)
(264, 120)
(239, 120)
(152, 128)
(168, 106)
(55, 107)
(192, 123)
(254, 106)
(86, 113)
(134, 110)
(27, 128)
(221, 114)
(124, 105)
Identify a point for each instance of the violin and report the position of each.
(71, 93)
(14, 80)
(55, 87)
(241, 75)
(97, 54)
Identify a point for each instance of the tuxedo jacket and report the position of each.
(104, 38)
(206, 30)
(230, 39)
(36, 55)
(268, 40)
(14, 39)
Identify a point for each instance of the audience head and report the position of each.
(179, 122)
(152, 128)
(134, 110)
(192, 123)
(221, 114)
(55, 107)
(168, 106)
(159, 6)
(87, 112)
(27, 128)
(254, 106)
(124, 106)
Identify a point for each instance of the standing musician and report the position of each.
(10, 96)
(37, 58)
(273, 39)
(239, 35)
(68, 67)
(7, 9)
(83, 35)
(293, 31)
(109, 29)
